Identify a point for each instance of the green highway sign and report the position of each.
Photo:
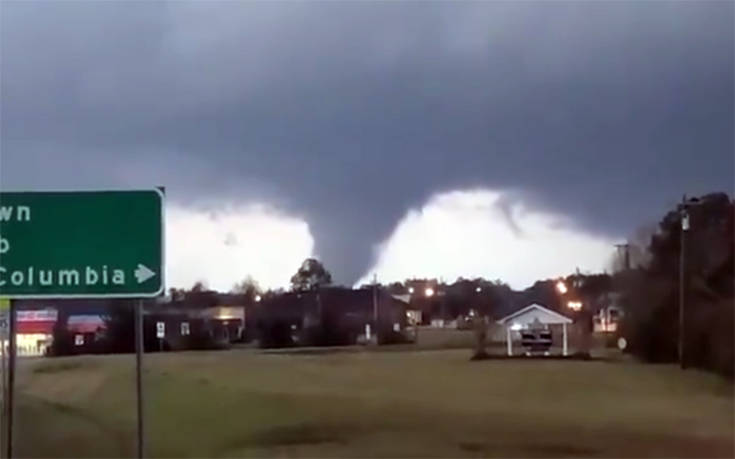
(81, 244)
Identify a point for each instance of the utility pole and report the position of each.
(375, 305)
(626, 254)
(682, 279)
(442, 293)
(319, 306)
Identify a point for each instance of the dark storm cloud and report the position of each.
(349, 114)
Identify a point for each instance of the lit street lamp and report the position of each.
(429, 292)
(561, 287)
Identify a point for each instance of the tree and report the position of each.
(120, 325)
(480, 326)
(176, 294)
(199, 286)
(651, 294)
(62, 343)
(247, 287)
(310, 275)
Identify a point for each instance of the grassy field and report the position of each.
(363, 404)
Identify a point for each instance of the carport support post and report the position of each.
(564, 332)
(138, 306)
(509, 340)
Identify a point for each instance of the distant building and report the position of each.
(330, 316)
(34, 330)
(608, 317)
(198, 320)
(231, 318)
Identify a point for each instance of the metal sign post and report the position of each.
(4, 334)
(4, 387)
(9, 401)
(139, 349)
(160, 334)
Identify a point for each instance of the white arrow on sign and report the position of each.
(143, 273)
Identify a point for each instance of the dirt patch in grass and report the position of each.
(61, 366)
(300, 434)
(530, 450)
(472, 447)
(560, 450)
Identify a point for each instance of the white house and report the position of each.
(533, 313)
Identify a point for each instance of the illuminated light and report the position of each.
(574, 305)
(429, 292)
(516, 326)
(410, 290)
(258, 298)
(562, 287)
(478, 289)
(32, 343)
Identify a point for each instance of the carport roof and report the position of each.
(549, 316)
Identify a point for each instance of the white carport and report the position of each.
(533, 313)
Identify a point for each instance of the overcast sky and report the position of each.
(343, 127)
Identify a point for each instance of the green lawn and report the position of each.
(432, 403)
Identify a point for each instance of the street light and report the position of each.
(410, 290)
(561, 287)
(429, 292)
(258, 298)
(574, 305)
(478, 289)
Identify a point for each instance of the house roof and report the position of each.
(403, 298)
(545, 315)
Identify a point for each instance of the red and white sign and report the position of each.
(36, 321)
(37, 315)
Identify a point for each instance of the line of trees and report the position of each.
(650, 291)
